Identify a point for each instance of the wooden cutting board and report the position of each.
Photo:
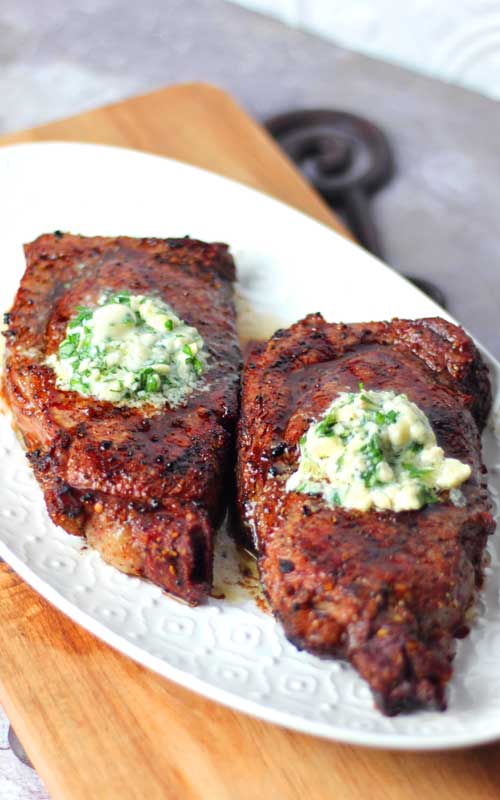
(96, 725)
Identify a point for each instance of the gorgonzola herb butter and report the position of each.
(130, 350)
(376, 450)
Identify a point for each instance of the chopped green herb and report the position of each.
(150, 380)
(367, 400)
(82, 315)
(415, 447)
(169, 325)
(369, 477)
(325, 427)
(192, 359)
(373, 450)
(374, 455)
(122, 297)
(386, 418)
(428, 496)
(67, 348)
(417, 472)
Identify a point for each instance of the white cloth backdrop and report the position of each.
(455, 40)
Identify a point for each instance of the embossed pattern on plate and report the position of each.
(229, 650)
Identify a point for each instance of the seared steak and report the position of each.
(144, 485)
(385, 590)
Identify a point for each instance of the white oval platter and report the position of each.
(288, 265)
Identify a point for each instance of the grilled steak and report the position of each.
(144, 485)
(385, 590)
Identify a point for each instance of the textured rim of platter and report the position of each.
(229, 651)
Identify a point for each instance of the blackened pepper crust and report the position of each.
(385, 590)
(145, 486)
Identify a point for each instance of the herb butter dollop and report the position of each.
(130, 350)
(376, 449)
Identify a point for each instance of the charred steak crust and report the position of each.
(385, 590)
(144, 486)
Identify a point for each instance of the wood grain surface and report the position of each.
(199, 124)
(100, 727)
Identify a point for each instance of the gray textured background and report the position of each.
(439, 216)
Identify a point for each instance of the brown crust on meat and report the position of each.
(385, 590)
(144, 485)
